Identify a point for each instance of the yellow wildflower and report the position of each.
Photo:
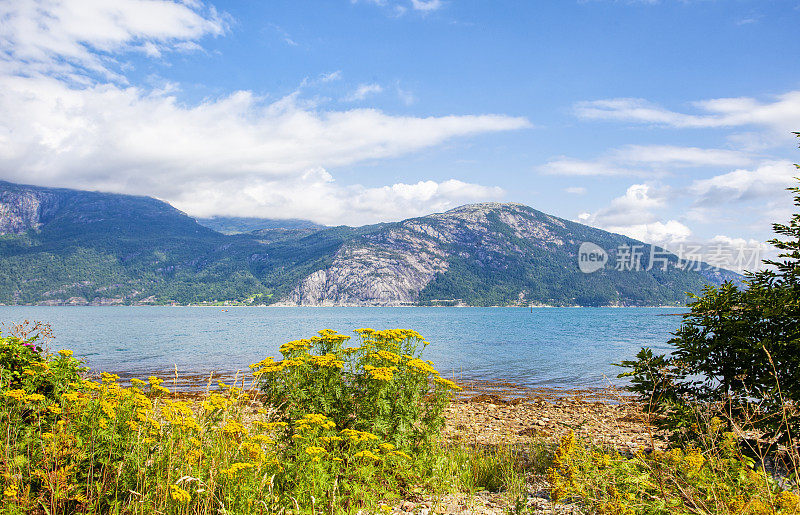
(34, 397)
(315, 419)
(179, 494)
(11, 492)
(56, 410)
(15, 394)
(236, 468)
(446, 382)
(65, 353)
(367, 454)
(233, 428)
(380, 373)
(358, 436)
(312, 450)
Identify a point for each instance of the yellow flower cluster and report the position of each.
(446, 382)
(296, 345)
(235, 468)
(179, 494)
(380, 373)
(421, 366)
(155, 385)
(386, 355)
(326, 360)
(358, 436)
(314, 419)
(367, 454)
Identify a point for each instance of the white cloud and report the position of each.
(314, 195)
(45, 34)
(129, 140)
(658, 233)
(400, 7)
(405, 96)
(61, 125)
(568, 166)
(645, 160)
(633, 215)
(576, 190)
(363, 91)
(765, 181)
(779, 114)
(426, 5)
(330, 76)
(676, 156)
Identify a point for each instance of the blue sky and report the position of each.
(665, 120)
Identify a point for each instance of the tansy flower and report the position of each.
(11, 492)
(14, 394)
(179, 494)
(367, 454)
(446, 382)
(65, 353)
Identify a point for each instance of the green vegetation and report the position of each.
(737, 350)
(383, 380)
(81, 446)
(240, 225)
(726, 399)
(105, 248)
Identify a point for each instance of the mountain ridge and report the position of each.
(60, 246)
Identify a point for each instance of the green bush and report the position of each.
(381, 386)
(737, 350)
(103, 447)
(24, 361)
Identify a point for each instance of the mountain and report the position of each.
(240, 225)
(60, 246)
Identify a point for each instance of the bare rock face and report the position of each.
(391, 267)
(23, 210)
(372, 274)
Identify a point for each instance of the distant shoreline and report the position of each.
(277, 306)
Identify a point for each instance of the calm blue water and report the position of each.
(556, 347)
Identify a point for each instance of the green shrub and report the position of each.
(102, 447)
(24, 363)
(381, 385)
(738, 350)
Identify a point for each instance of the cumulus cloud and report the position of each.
(315, 195)
(134, 141)
(67, 119)
(633, 214)
(764, 181)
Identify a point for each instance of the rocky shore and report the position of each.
(519, 417)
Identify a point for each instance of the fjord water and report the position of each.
(554, 347)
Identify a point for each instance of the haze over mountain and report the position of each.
(61, 246)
